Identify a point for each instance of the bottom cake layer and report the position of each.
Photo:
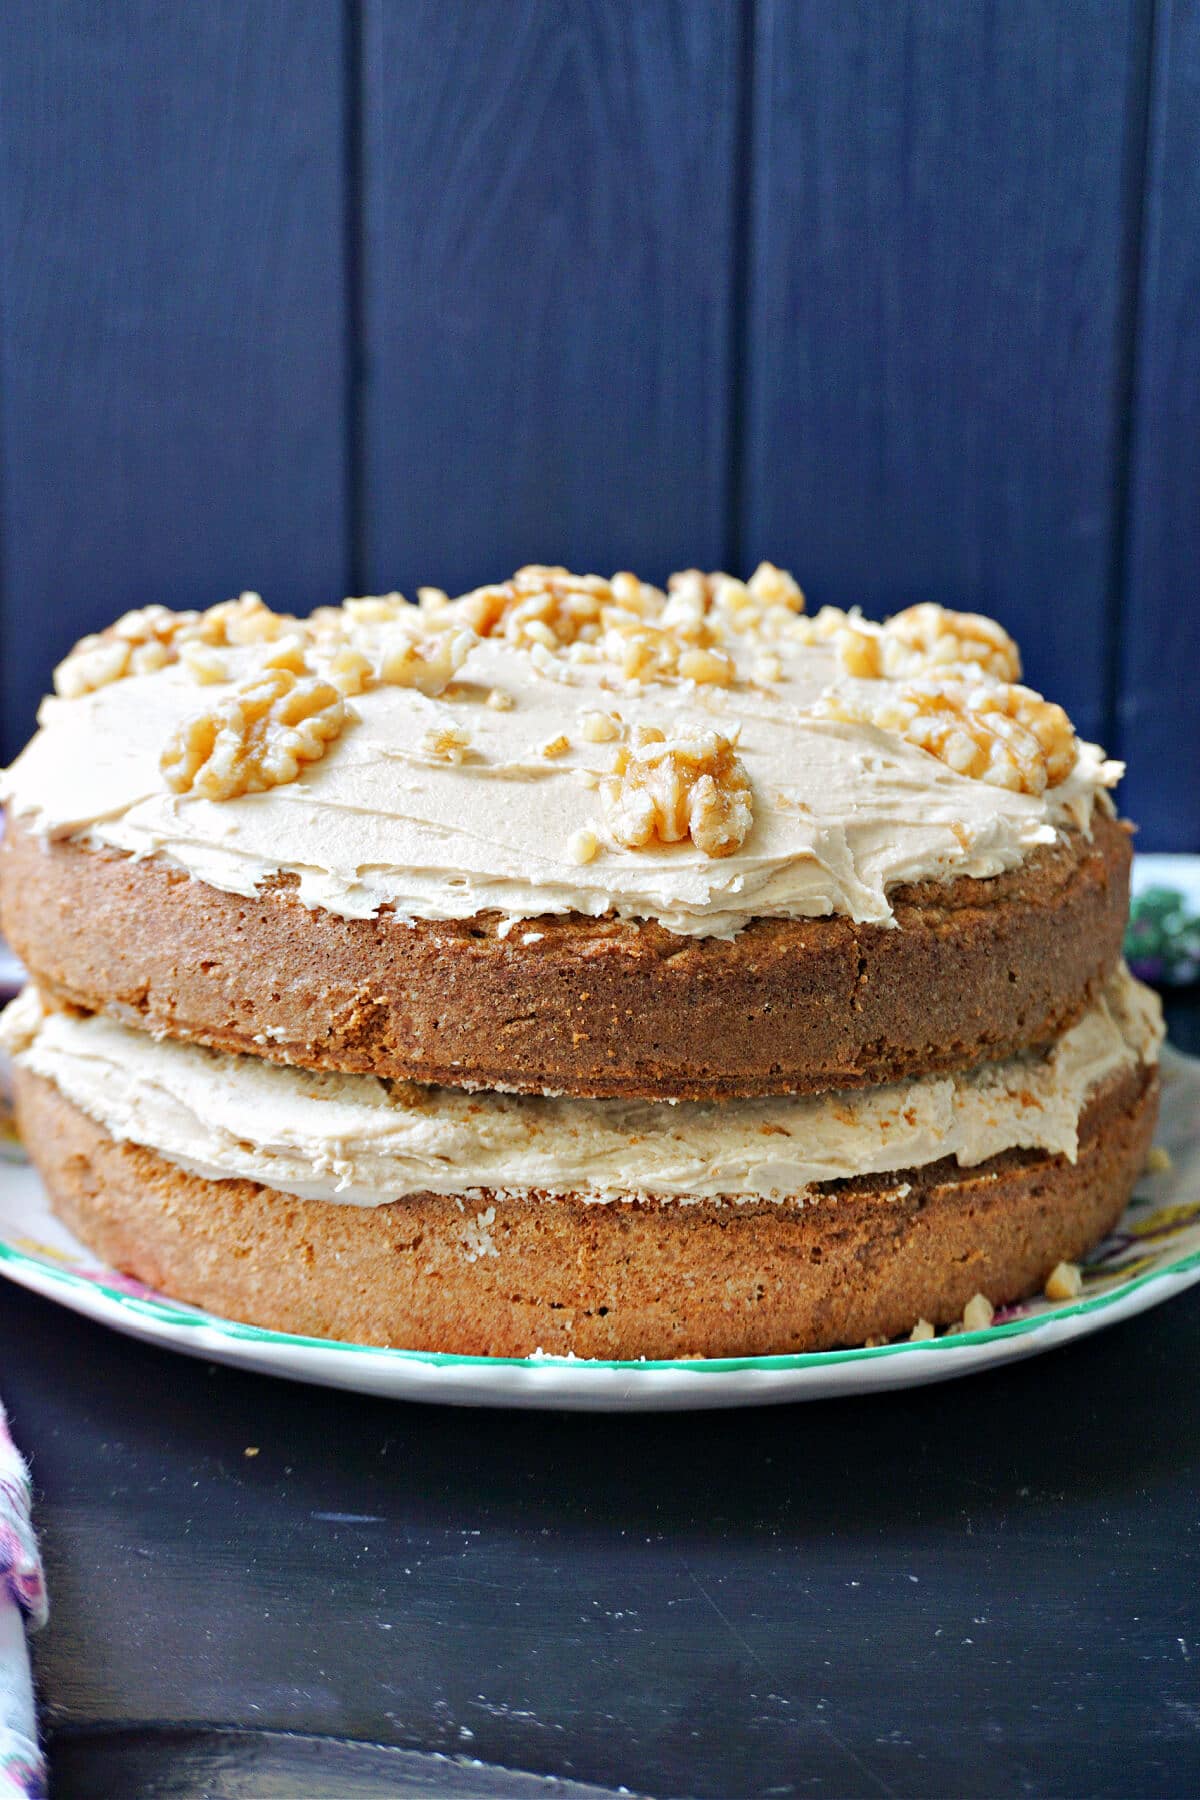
(504, 1276)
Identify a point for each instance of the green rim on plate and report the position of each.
(167, 1313)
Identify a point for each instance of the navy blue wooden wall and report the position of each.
(321, 297)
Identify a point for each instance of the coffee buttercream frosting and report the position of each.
(842, 810)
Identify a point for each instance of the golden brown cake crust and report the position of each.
(622, 1280)
(977, 970)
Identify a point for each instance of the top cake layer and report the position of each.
(561, 746)
(565, 835)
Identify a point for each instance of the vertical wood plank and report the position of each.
(935, 308)
(549, 222)
(1159, 708)
(173, 320)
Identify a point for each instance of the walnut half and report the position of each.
(258, 737)
(691, 785)
(995, 732)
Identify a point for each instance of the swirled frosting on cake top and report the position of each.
(699, 756)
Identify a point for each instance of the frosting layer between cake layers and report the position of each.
(352, 1138)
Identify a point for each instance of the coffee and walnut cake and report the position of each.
(574, 966)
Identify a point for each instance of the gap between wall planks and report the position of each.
(306, 297)
(933, 343)
(1160, 688)
(549, 212)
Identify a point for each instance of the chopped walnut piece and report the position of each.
(328, 625)
(921, 1332)
(638, 651)
(150, 634)
(555, 746)
(928, 640)
(706, 666)
(687, 604)
(150, 624)
(1064, 1282)
(822, 627)
(561, 618)
(483, 609)
(583, 845)
(550, 606)
(152, 637)
(600, 727)
(246, 620)
(767, 587)
(978, 1313)
(93, 663)
(733, 598)
(427, 661)
(379, 639)
(287, 652)
(546, 662)
(860, 650)
(669, 789)
(1006, 735)
(145, 658)
(764, 607)
(137, 644)
(447, 743)
(775, 587)
(692, 585)
(941, 637)
(360, 619)
(1158, 1162)
(375, 609)
(256, 738)
(349, 670)
(647, 651)
(203, 663)
(500, 701)
(646, 634)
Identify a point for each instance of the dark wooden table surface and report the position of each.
(984, 1588)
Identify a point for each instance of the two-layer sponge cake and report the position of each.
(574, 966)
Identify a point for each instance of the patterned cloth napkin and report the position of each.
(22, 1595)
